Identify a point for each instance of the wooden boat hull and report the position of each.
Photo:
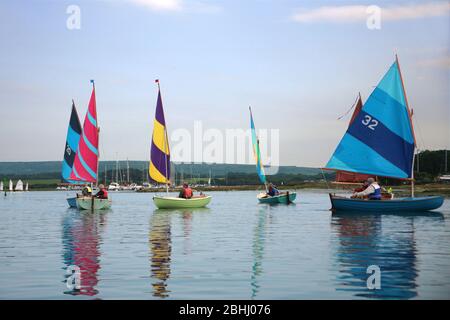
(381, 206)
(179, 203)
(282, 198)
(88, 203)
(72, 202)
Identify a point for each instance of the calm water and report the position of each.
(236, 249)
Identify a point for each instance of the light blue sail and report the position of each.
(257, 152)
(380, 141)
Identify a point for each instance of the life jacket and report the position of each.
(105, 193)
(187, 193)
(89, 189)
(377, 194)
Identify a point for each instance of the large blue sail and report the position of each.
(72, 140)
(380, 141)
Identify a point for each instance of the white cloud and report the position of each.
(160, 5)
(441, 62)
(355, 13)
(178, 5)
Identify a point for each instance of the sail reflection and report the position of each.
(386, 241)
(160, 243)
(81, 247)
(259, 239)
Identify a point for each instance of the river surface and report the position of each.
(235, 249)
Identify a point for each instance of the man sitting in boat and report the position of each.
(372, 192)
(102, 193)
(186, 192)
(272, 191)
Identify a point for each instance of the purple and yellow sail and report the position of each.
(85, 165)
(380, 140)
(159, 168)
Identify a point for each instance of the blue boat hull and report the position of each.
(283, 198)
(72, 202)
(381, 206)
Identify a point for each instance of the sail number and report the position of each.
(369, 122)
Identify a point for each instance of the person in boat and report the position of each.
(372, 192)
(102, 193)
(272, 191)
(186, 192)
(361, 188)
(87, 191)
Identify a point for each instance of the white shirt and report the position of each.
(369, 190)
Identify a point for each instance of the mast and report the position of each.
(411, 123)
(128, 172)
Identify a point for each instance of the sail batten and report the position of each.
(85, 164)
(159, 168)
(380, 139)
(257, 151)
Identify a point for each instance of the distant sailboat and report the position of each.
(11, 186)
(26, 187)
(159, 168)
(19, 186)
(381, 142)
(85, 164)
(1, 185)
(283, 197)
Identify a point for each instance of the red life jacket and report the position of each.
(187, 193)
(105, 193)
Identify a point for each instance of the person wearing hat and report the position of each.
(102, 193)
(372, 192)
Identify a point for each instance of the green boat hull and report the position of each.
(180, 203)
(282, 198)
(89, 203)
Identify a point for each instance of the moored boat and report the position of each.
(380, 142)
(179, 203)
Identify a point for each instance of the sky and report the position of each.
(299, 64)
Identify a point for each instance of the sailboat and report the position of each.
(26, 187)
(264, 197)
(159, 168)
(381, 142)
(19, 186)
(10, 185)
(85, 163)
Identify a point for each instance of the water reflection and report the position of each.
(383, 240)
(81, 247)
(259, 238)
(160, 244)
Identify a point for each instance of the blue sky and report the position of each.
(299, 64)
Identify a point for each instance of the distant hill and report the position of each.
(52, 169)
